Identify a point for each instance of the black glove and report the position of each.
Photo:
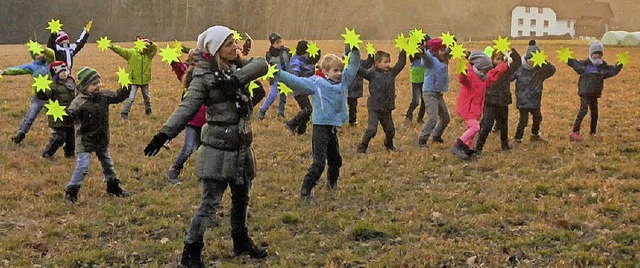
(156, 144)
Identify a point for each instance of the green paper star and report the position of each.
(236, 35)
(502, 45)
(313, 49)
(416, 35)
(457, 51)
(177, 45)
(351, 38)
(284, 89)
(539, 58)
(54, 26)
(345, 60)
(139, 45)
(447, 39)
(123, 77)
(35, 47)
(461, 66)
(623, 58)
(103, 43)
(56, 110)
(564, 54)
(401, 42)
(370, 49)
(41, 83)
(253, 85)
(273, 69)
(169, 54)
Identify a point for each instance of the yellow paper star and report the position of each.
(0, 73)
(416, 35)
(253, 85)
(448, 39)
(284, 89)
(502, 45)
(539, 58)
(169, 54)
(345, 60)
(401, 42)
(457, 51)
(293, 51)
(88, 26)
(236, 35)
(370, 49)
(41, 83)
(412, 49)
(123, 77)
(56, 110)
(34, 47)
(177, 45)
(564, 54)
(313, 49)
(461, 66)
(103, 43)
(139, 45)
(54, 26)
(623, 58)
(351, 38)
(273, 69)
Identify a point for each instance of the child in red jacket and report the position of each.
(470, 103)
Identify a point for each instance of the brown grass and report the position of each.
(559, 204)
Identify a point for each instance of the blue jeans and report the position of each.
(82, 167)
(132, 96)
(34, 109)
(191, 143)
(273, 93)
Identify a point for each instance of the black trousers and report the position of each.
(299, 122)
(587, 103)
(524, 120)
(416, 99)
(353, 109)
(326, 150)
(493, 114)
(61, 136)
(385, 119)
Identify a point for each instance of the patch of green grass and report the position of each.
(367, 231)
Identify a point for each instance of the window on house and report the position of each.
(546, 24)
(520, 22)
(532, 33)
(519, 33)
(527, 10)
(533, 23)
(540, 10)
(545, 33)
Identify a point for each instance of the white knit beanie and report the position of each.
(211, 39)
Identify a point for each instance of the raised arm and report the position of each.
(19, 70)
(547, 71)
(611, 70)
(577, 66)
(116, 96)
(402, 61)
(302, 85)
(123, 52)
(82, 40)
(349, 74)
(51, 43)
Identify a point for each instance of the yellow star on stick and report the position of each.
(564, 54)
(236, 35)
(502, 45)
(401, 42)
(41, 83)
(253, 85)
(293, 51)
(284, 89)
(448, 39)
(345, 60)
(273, 69)
(54, 26)
(139, 45)
(177, 45)
(370, 49)
(169, 54)
(313, 49)
(88, 26)
(539, 58)
(416, 35)
(461, 66)
(412, 49)
(35, 47)
(103, 43)
(56, 110)
(623, 58)
(123, 77)
(351, 38)
(457, 51)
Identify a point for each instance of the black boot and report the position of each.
(362, 148)
(113, 188)
(242, 244)
(305, 190)
(191, 256)
(18, 137)
(71, 194)
(505, 146)
(460, 150)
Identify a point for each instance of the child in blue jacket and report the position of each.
(329, 96)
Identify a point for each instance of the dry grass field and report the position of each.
(558, 204)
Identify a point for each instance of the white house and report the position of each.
(578, 18)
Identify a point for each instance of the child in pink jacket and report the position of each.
(470, 104)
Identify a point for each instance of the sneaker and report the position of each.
(71, 193)
(148, 111)
(289, 128)
(362, 149)
(18, 137)
(516, 140)
(172, 175)
(280, 115)
(505, 146)
(124, 116)
(437, 139)
(575, 137)
(537, 137)
(261, 114)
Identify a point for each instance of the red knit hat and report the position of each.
(57, 66)
(61, 37)
(435, 44)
